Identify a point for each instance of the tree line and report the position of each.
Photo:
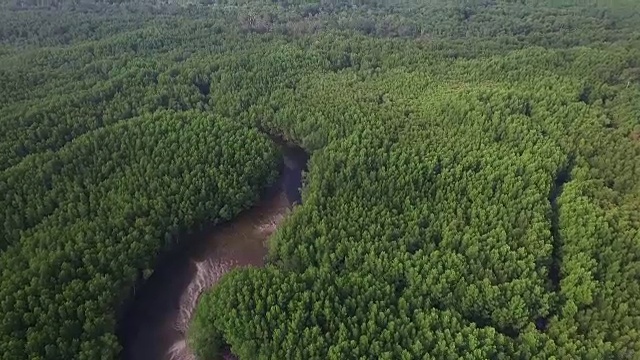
(472, 192)
(84, 222)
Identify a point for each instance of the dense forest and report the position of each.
(473, 189)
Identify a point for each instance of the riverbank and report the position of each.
(156, 323)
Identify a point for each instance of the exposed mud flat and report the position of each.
(155, 324)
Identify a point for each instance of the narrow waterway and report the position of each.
(154, 325)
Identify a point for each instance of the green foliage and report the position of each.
(89, 217)
(473, 190)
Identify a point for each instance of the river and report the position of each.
(153, 326)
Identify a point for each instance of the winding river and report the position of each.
(154, 325)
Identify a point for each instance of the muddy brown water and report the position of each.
(154, 324)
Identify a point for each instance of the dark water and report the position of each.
(154, 325)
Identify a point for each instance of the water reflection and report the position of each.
(155, 324)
